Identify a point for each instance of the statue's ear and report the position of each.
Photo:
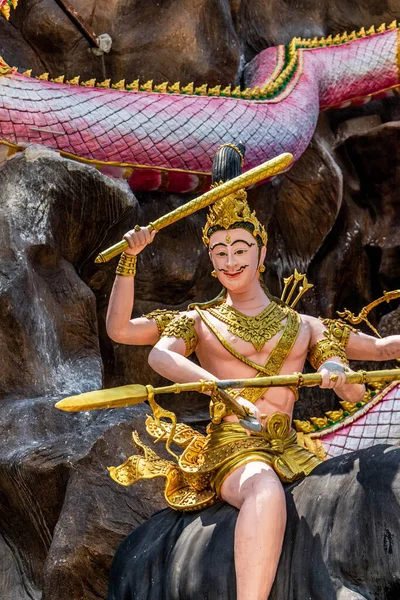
(263, 253)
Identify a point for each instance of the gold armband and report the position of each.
(336, 338)
(127, 265)
(162, 317)
(183, 327)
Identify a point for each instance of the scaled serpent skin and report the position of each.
(167, 141)
(377, 422)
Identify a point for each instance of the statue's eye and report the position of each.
(241, 251)
(221, 253)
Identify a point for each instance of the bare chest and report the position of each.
(222, 344)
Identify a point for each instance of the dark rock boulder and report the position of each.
(61, 515)
(341, 541)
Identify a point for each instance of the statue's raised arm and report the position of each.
(120, 327)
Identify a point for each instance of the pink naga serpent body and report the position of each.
(164, 137)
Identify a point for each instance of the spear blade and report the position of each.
(126, 395)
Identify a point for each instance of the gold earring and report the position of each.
(261, 268)
(214, 274)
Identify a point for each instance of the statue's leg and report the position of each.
(256, 491)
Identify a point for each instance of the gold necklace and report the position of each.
(258, 329)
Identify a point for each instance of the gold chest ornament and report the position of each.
(256, 330)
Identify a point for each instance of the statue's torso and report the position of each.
(217, 359)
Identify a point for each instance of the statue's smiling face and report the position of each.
(235, 256)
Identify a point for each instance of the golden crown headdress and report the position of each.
(230, 211)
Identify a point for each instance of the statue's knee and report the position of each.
(266, 487)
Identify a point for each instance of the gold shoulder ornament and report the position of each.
(162, 317)
(336, 337)
(183, 327)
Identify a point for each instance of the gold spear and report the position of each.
(272, 167)
(129, 395)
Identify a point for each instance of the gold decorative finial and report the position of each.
(5, 11)
(214, 91)
(201, 91)
(88, 83)
(175, 88)
(335, 415)
(162, 88)
(120, 85)
(188, 89)
(5, 69)
(6, 7)
(74, 80)
(226, 91)
(303, 426)
(133, 86)
(147, 87)
(349, 407)
(59, 79)
(104, 84)
(319, 422)
(236, 92)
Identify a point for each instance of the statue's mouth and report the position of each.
(235, 274)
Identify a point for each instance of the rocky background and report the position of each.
(334, 216)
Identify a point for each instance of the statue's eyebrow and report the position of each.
(218, 244)
(244, 242)
(234, 242)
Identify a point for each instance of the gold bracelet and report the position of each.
(127, 265)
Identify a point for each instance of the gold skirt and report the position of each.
(228, 447)
(195, 480)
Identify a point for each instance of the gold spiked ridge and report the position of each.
(265, 92)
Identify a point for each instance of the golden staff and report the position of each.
(129, 395)
(272, 167)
